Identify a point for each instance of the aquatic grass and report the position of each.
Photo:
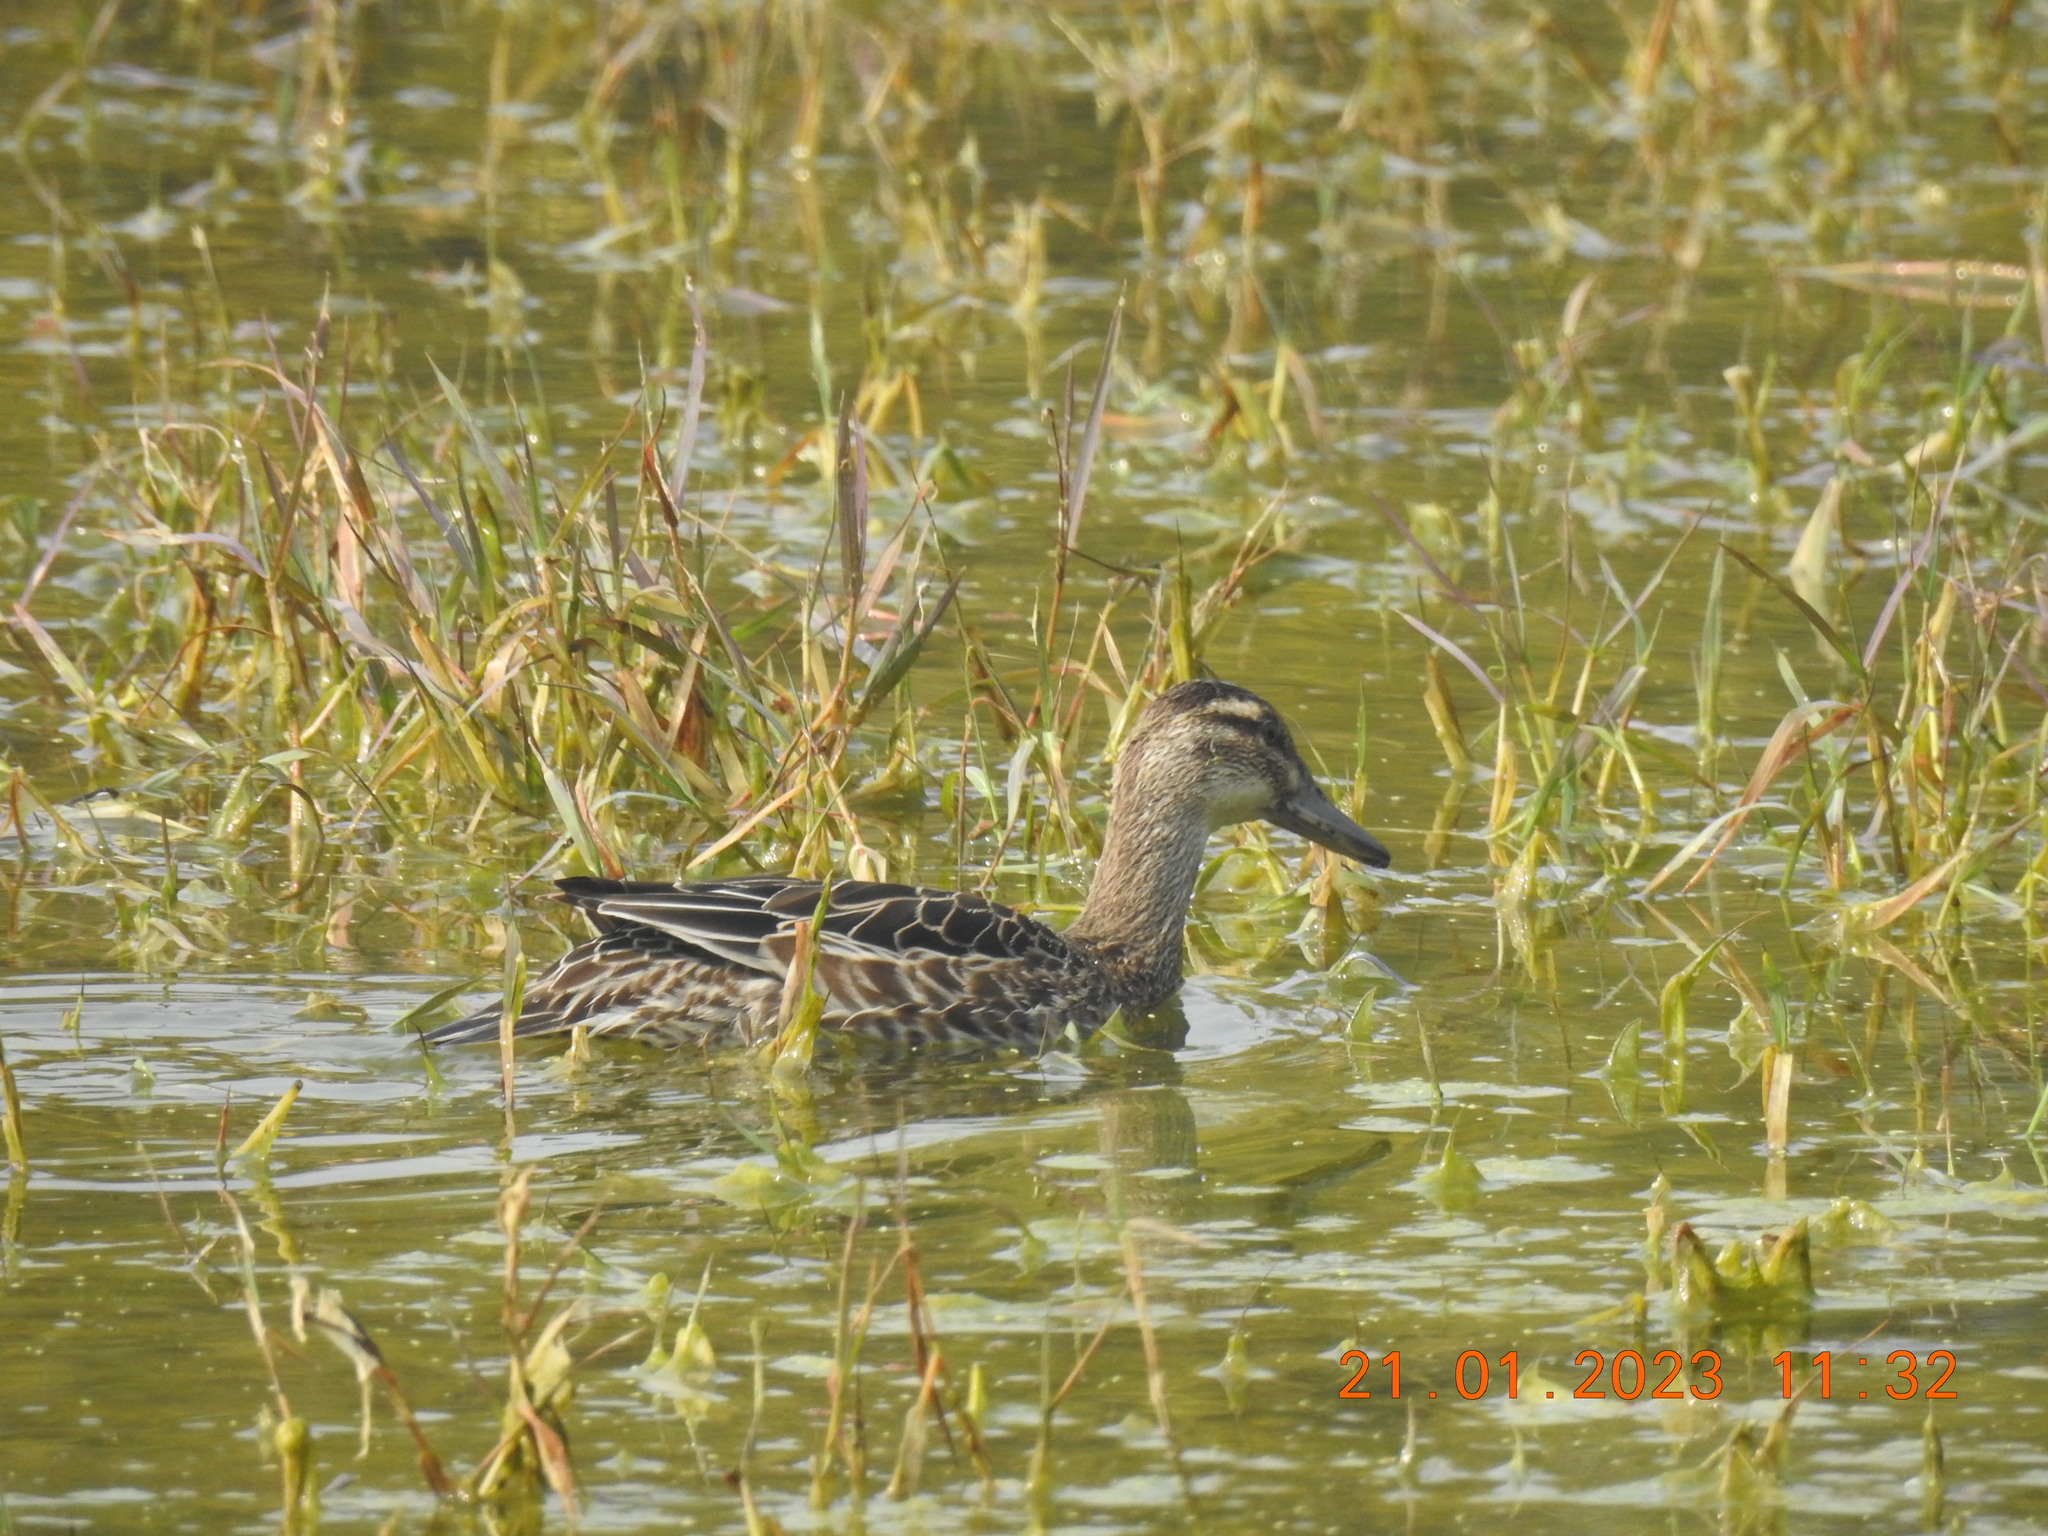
(10, 1118)
(499, 710)
(326, 1314)
(503, 709)
(254, 1149)
(532, 1448)
(284, 1432)
(358, 645)
(1928, 785)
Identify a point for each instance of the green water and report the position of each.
(1437, 181)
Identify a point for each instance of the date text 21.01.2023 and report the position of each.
(1666, 1374)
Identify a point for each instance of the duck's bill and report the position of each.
(1311, 814)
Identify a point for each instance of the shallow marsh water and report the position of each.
(1420, 1138)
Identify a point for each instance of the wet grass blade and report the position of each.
(1091, 432)
(10, 1115)
(255, 1147)
(1837, 642)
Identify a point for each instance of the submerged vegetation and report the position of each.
(457, 451)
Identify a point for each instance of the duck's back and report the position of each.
(708, 963)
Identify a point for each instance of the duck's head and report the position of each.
(1230, 750)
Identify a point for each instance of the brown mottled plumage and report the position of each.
(706, 963)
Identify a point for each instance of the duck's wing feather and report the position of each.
(752, 923)
(708, 961)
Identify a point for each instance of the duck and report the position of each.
(708, 963)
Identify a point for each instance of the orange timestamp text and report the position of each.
(1667, 1374)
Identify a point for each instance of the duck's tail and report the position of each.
(483, 1026)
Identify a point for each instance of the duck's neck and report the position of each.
(1138, 903)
